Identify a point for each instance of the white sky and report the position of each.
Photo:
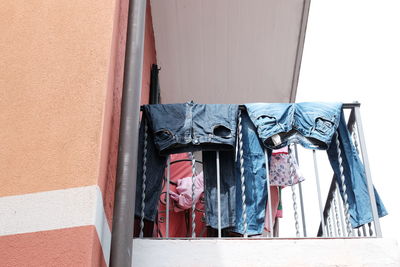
(352, 52)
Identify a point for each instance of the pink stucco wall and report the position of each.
(76, 246)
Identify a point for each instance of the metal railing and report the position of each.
(334, 215)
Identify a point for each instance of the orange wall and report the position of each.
(61, 77)
(54, 74)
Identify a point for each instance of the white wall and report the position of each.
(257, 252)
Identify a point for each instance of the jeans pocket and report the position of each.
(323, 125)
(222, 131)
(266, 120)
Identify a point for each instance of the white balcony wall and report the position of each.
(367, 252)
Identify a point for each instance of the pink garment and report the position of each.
(183, 195)
(279, 213)
(178, 221)
(275, 203)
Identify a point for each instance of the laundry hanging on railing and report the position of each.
(276, 208)
(280, 169)
(178, 225)
(183, 194)
(314, 125)
(254, 184)
(173, 128)
(192, 127)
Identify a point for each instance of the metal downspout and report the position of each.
(123, 219)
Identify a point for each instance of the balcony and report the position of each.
(317, 218)
(309, 242)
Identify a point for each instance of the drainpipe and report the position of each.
(124, 205)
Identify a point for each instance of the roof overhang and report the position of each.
(229, 51)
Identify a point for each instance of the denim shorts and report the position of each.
(189, 127)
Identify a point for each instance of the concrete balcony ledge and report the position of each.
(364, 252)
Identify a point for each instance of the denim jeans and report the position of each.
(355, 179)
(227, 184)
(177, 128)
(255, 180)
(231, 190)
(191, 127)
(155, 167)
(313, 125)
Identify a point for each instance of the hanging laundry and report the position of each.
(189, 127)
(255, 183)
(179, 225)
(177, 128)
(280, 169)
(227, 188)
(183, 194)
(276, 211)
(315, 125)
(255, 180)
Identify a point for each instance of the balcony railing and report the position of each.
(334, 214)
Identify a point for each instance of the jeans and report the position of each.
(313, 125)
(355, 179)
(255, 180)
(155, 167)
(176, 128)
(227, 184)
(231, 190)
(191, 127)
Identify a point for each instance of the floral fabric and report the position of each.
(280, 169)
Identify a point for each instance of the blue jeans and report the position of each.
(255, 180)
(355, 179)
(313, 125)
(228, 188)
(155, 167)
(177, 128)
(188, 127)
(231, 192)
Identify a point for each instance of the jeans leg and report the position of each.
(355, 179)
(228, 188)
(155, 166)
(255, 181)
